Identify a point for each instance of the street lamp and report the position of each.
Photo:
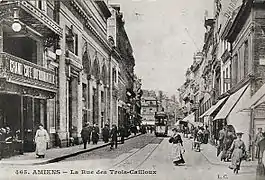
(16, 26)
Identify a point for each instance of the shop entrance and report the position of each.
(10, 111)
(22, 115)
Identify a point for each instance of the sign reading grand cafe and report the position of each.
(28, 81)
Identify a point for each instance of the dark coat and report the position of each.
(85, 133)
(95, 134)
(114, 133)
(105, 132)
(122, 131)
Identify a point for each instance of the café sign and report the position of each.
(31, 72)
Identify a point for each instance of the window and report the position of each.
(114, 75)
(224, 90)
(230, 75)
(84, 87)
(226, 76)
(102, 96)
(246, 56)
(235, 69)
(76, 44)
(40, 5)
(69, 39)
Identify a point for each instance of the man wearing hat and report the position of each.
(259, 136)
(85, 134)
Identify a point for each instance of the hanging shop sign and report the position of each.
(31, 72)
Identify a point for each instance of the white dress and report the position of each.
(41, 139)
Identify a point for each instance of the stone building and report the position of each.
(125, 72)
(29, 68)
(245, 34)
(233, 69)
(61, 66)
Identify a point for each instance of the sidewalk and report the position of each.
(209, 152)
(54, 154)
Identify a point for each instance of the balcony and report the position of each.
(22, 72)
(73, 60)
(31, 16)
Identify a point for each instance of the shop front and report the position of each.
(25, 98)
(28, 82)
(231, 113)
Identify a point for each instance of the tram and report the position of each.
(161, 124)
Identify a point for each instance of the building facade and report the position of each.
(233, 69)
(61, 66)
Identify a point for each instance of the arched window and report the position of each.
(95, 69)
(104, 75)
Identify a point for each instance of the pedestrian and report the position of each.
(122, 133)
(220, 147)
(177, 148)
(200, 135)
(206, 134)
(114, 136)
(85, 135)
(2, 140)
(259, 136)
(41, 140)
(105, 133)
(95, 134)
(229, 137)
(9, 135)
(238, 150)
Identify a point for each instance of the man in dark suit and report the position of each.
(122, 133)
(105, 133)
(85, 134)
(114, 136)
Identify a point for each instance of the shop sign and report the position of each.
(232, 5)
(31, 72)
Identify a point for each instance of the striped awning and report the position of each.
(212, 109)
(257, 99)
(230, 103)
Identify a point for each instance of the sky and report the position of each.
(164, 35)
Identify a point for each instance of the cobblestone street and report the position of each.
(146, 152)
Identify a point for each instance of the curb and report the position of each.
(60, 158)
(222, 164)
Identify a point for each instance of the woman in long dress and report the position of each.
(177, 148)
(238, 150)
(41, 139)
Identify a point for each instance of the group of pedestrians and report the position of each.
(231, 147)
(89, 132)
(201, 134)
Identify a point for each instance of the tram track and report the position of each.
(137, 151)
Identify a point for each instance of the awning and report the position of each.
(230, 103)
(256, 99)
(189, 118)
(148, 122)
(210, 111)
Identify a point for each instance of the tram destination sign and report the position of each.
(31, 72)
